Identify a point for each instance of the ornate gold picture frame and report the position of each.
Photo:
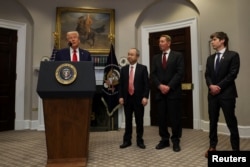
(96, 27)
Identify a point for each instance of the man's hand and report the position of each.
(121, 101)
(144, 101)
(164, 88)
(214, 89)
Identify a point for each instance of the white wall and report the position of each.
(230, 16)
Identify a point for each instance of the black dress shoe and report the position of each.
(176, 147)
(141, 145)
(162, 145)
(125, 144)
(210, 149)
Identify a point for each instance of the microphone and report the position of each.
(69, 44)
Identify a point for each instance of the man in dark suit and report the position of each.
(73, 52)
(221, 71)
(167, 73)
(133, 94)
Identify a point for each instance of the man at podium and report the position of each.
(67, 90)
(73, 52)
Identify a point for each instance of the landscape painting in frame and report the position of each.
(95, 26)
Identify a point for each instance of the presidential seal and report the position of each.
(66, 73)
(111, 79)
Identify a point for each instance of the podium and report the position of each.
(67, 89)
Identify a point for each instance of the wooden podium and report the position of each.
(67, 109)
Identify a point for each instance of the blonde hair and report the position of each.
(167, 37)
(72, 32)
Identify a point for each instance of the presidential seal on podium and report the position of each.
(66, 73)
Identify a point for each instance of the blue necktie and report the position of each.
(217, 63)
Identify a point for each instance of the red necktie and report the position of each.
(164, 61)
(131, 81)
(74, 56)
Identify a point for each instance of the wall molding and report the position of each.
(244, 131)
(20, 69)
(31, 124)
(222, 127)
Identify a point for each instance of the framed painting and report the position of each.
(96, 28)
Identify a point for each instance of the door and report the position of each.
(8, 43)
(180, 42)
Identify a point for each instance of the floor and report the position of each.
(27, 148)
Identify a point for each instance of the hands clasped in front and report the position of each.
(164, 88)
(214, 89)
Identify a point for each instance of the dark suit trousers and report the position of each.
(133, 105)
(228, 108)
(169, 108)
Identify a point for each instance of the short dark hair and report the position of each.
(221, 36)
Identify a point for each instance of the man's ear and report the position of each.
(222, 40)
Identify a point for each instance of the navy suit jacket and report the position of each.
(64, 55)
(171, 76)
(225, 78)
(141, 83)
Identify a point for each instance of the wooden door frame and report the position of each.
(20, 69)
(192, 23)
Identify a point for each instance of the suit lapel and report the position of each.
(137, 69)
(213, 63)
(159, 60)
(170, 57)
(68, 55)
(126, 73)
(222, 60)
(81, 55)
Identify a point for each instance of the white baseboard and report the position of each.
(244, 131)
(40, 128)
(122, 125)
(31, 124)
(19, 125)
(26, 124)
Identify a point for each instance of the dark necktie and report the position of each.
(217, 63)
(164, 61)
(74, 56)
(131, 81)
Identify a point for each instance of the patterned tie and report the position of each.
(164, 61)
(131, 81)
(74, 56)
(217, 63)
